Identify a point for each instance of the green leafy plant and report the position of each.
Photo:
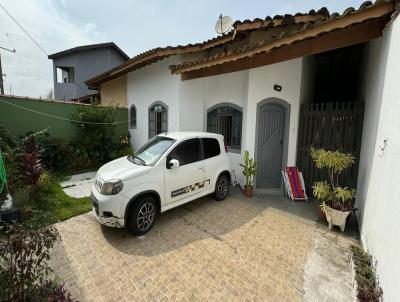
(54, 291)
(24, 255)
(124, 147)
(94, 144)
(11, 150)
(11, 156)
(56, 153)
(249, 169)
(368, 289)
(44, 183)
(31, 162)
(6, 138)
(329, 191)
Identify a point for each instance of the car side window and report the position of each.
(186, 152)
(211, 147)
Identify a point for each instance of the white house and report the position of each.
(277, 86)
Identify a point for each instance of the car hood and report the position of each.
(121, 168)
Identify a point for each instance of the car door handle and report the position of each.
(201, 168)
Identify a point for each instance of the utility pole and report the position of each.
(1, 79)
(1, 70)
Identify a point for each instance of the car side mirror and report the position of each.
(173, 164)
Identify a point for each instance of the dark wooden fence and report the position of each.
(332, 126)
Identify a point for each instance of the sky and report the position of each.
(134, 25)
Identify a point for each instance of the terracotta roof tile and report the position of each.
(260, 46)
(308, 21)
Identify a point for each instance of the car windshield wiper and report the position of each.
(138, 158)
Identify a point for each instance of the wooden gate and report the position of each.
(332, 126)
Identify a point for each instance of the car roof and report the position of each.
(181, 135)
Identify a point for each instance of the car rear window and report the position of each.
(211, 147)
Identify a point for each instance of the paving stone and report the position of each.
(236, 250)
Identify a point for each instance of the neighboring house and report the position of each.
(276, 87)
(72, 67)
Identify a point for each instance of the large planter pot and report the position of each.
(248, 191)
(335, 217)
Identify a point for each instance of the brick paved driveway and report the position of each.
(260, 249)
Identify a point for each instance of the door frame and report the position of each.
(286, 108)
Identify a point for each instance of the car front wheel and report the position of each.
(222, 187)
(142, 215)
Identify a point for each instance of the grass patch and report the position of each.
(57, 206)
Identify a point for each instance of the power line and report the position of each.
(23, 29)
(60, 117)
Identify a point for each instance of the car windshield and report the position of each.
(152, 151)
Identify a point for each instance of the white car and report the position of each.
(169, 170)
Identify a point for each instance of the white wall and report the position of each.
(148, 85)
(192, 105)
(378, 189)
(229, 88)
(188, 101)
(261, 84)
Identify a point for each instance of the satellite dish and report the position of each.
(223, 25)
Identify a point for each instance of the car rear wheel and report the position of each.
(222, 187)
(142, 215)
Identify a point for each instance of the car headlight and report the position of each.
(112, 187)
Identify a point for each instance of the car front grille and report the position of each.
(95, 204)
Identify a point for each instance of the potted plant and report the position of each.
(337, 201)
(249, 170)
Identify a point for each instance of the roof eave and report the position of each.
(334, 23)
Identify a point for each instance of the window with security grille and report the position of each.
(227, 120)
(158, 116)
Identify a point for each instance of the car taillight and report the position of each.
(226, 147)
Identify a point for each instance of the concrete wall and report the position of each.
(114, 92)
(87, 64)
(261, 83)
(199, 95)
(20, 121)
(244, 89)
(151, 84)
(378, 189)
(230, 88)
(188, 101)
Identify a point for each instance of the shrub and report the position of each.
(53, 291)
(124, 147)
(368, 289)
(6, 138)
(94, 144)
(24, 255)
(56, 153)
(44, 182)
(12, 164)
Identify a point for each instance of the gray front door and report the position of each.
(271, 124)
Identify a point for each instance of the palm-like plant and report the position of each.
(335, 196)
(249, 169)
